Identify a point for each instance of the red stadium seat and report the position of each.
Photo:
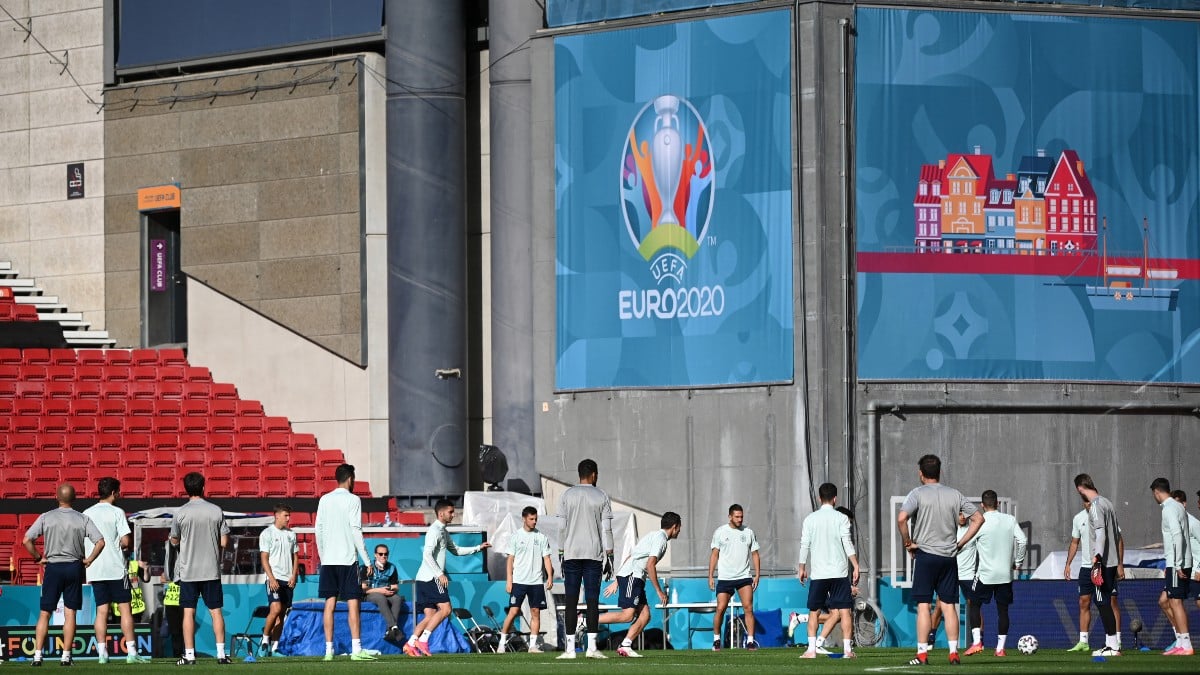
(56, 406)
(150, 390)
(221, 443)
(26, 313)
(144, 373)
(60, 390)
(107, 458)
(168, 407)
(8, 388)
(112, 390)
(222, 425)
(85, 406)
(136, 457)
(143, 357)
(44, 484)
(89, 373)
(110, 424)
(218, 481)
(90, 390)
(63, 357)
(140, 407)
(133, 481)
(278, 425)
(169, 373)
(161, 481)
(117, 357)
(79, 476)
(113, 407)
(329, 460)
(197, 390)
(223, 408)
(52, 442)
(362, 488)
(305, 442)
(197, 374)
(246, 448)
(302, 456)
(249, 409)
(166, 425)
(276, 441)
(193, 441)
(80, 450)
(82, 424)
(246, 482)
(15, 484)
(193, 425)
(110, 442)
(270, 459)
(162, 445)
(194, 408)
(51, 424)
(60, 373)
(90, 357)
(36, 356)
(172, 357)
(27, 406)
(138, 424)
(116, 373)
(34, 372)
(6, 421)
(26, 424)
(195, 459)
(10, 356)
(23, 458)
(274, 487)
(250, 425)
(10, 371)
(219, 457)
(222, 390)
(31, 389)
(137, 441)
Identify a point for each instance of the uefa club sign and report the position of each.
(667, 194)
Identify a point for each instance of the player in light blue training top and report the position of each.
(828, 557)
(340, 546)
(433, 597)
(734, 550)
(280, 557)
(641, 564)
(1178, 571)
(529, 575)
(1001, 547)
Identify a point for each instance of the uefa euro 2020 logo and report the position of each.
(667, 197)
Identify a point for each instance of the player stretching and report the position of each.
(1178, 565)
(998, 537)
(631, 582)
(1103, 532)
(931, 539)
(826, 542)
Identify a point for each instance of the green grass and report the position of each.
(684, 662)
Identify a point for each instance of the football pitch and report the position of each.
(661, 663)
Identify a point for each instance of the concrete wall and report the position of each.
(269, 164)
(47, 122)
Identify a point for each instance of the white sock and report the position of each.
(425, 635)
(266, 640)
(570, 644)
(1000, 642)
(220, 650)
(846, 646)
(131, 647)
(412, 639)
(953, 645)
(189, 654)
(922, 647)
(592, 642)
(328, 647)
(37, 655)
(1187, 640)
(820, 641)
(1083, 637)
(976, 635)
(66, 656)
(101, 648)
(275, 646)
(503, 639)
(355, 646)
(716, 636)
(626, 642)
(1110, 641)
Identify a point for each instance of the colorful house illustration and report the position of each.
(1070, 206)
(1047, 207)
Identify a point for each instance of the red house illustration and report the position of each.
(1070, 206)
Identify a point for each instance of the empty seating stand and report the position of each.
(147, 417)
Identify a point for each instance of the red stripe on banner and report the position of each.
(1044, 265)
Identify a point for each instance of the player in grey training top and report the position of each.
(200, 532)
(928, 525)
(1104, 533)
(63, 531)
(586, 551)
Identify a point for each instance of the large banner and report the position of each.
(673, 199)
(1027, 196)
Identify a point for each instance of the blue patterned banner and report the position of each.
(1028, 189)
(673, 198)
(572, 12)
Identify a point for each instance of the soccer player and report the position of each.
(433, 597)
(1178, 565)
(585, 552)
(340, 546)
(64, 531)
(825, 541)
(280, 558)
(529, 574)
(995, 543)
(382, 588)
(968, 563)
(631, 582)
(108, 576)
(1081, 543)
(1194, 547)
(932, 540)
(831, 620)
(734, 549)
(200, 531)
(1103, 532)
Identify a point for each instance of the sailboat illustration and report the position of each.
(1118, 290)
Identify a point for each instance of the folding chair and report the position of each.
(248, 638)
(519, 640)
(483, 639)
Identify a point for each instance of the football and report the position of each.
(1027, 645)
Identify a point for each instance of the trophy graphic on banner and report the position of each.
(666, 156)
